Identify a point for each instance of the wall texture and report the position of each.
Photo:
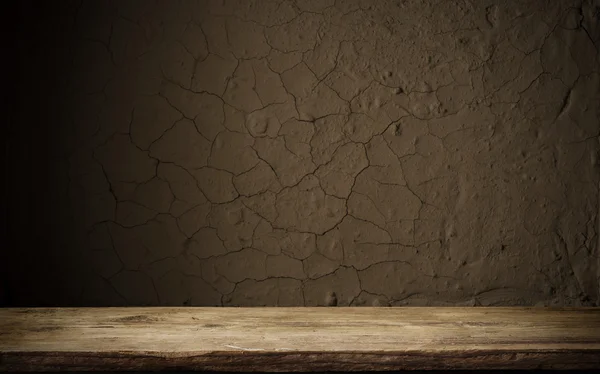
(308, 152)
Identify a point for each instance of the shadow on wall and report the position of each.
(283, 152)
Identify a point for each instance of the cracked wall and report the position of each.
(309, 152)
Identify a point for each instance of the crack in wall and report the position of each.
(388, 153)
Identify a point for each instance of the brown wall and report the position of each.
(303, 153)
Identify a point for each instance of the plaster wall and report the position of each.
(289, 153)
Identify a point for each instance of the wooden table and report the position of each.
(298, 339)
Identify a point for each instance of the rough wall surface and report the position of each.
(322, 152)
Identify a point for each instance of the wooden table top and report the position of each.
(298, 339)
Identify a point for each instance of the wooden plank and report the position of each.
(298, 339)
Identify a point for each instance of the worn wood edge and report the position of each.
(300, 361)
(453, 358)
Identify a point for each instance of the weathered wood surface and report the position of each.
(298, 339)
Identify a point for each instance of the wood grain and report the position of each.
(298, 339)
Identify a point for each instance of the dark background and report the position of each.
(36, 60)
